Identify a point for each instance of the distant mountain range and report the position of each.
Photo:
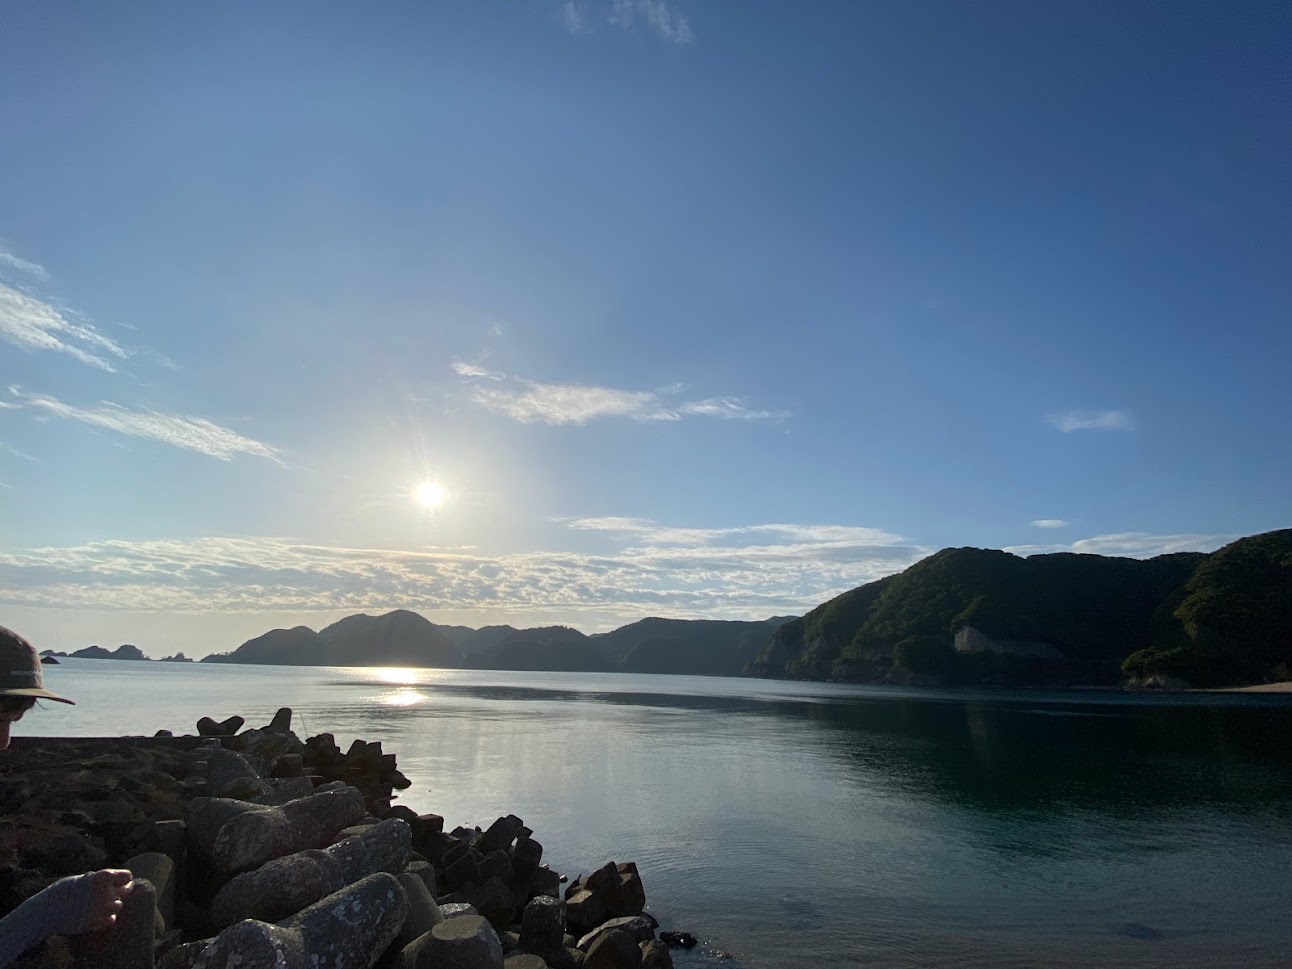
(963, 615)
(972, 615)
(403, 638)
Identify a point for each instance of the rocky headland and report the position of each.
(254, 848)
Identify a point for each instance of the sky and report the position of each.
(582, 312)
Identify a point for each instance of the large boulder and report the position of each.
(465, 942)
(615, 949)
(285, 885)
(640, 927)
(655, 955)
(347, 930)
(236, 836)
(542, 926)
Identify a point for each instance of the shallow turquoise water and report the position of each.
(814, 824)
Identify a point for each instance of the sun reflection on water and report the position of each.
(400, 676)
(403, 698)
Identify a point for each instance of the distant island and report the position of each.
(980, 616)
(967, 616)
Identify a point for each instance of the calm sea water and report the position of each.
(800, 825)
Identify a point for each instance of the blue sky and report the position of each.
(693, 308)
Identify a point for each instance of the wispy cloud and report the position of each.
(190, 433)
(1050, 523)
(13, 261)
(464, 369)
(730, 409)
(531, 401)
(34, 324)
(665, 21)
(1082, 420)
(1135, 545)
(569, 403)
(13, 452)
(781, 569)
(573, 18)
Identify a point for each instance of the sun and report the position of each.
(430, 495)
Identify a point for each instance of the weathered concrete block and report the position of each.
(423, 913)
(465, 942)
(349, 929)
(159, 870)
(542, 925)
(130, 945)
(615, 949)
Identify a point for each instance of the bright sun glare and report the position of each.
(430, 495)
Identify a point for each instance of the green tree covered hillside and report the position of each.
(1218, 618)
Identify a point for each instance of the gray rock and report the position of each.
(228, 774)
(425, 871)
(524, 960)
(278, 888)
(495, 902)
(465, 942)
(615, 949)
(453, 910)
(542, 925)
(159, 870)
(423, 913)
(544, 881)
(280, 790)
(248, 835)
(384, 846)
(462, 873)
(347, 930)
(285, 885)
(641, 928)
(497, 864)
(655, 955)
(585, 910)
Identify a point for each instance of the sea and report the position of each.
(792, 824)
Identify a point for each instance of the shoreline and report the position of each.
(248, 842)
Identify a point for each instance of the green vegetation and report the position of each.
(925, 654)
(1215, 619)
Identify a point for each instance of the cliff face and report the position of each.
(1212, 619)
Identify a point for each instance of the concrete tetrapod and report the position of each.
(464, 942)
(347, 930)
(285, 885)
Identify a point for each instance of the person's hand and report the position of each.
(87, 903)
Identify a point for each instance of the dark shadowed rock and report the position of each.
(542, 925)
(207, 727)
(655, 955)
(585, 910)
(229, 774)
(526, 855)
(495, 902)
(615, 949)
(465, 942)
(282, 722)
(423, 913)
(524, 960)
(426, 872)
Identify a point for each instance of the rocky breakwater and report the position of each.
(254, 848)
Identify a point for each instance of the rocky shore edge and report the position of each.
(254, 848)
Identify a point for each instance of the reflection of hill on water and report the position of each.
(1014, 754)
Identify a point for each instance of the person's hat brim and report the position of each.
(36, 692)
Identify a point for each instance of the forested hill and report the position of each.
(403, 638)
(977, 615)
(698, 646)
